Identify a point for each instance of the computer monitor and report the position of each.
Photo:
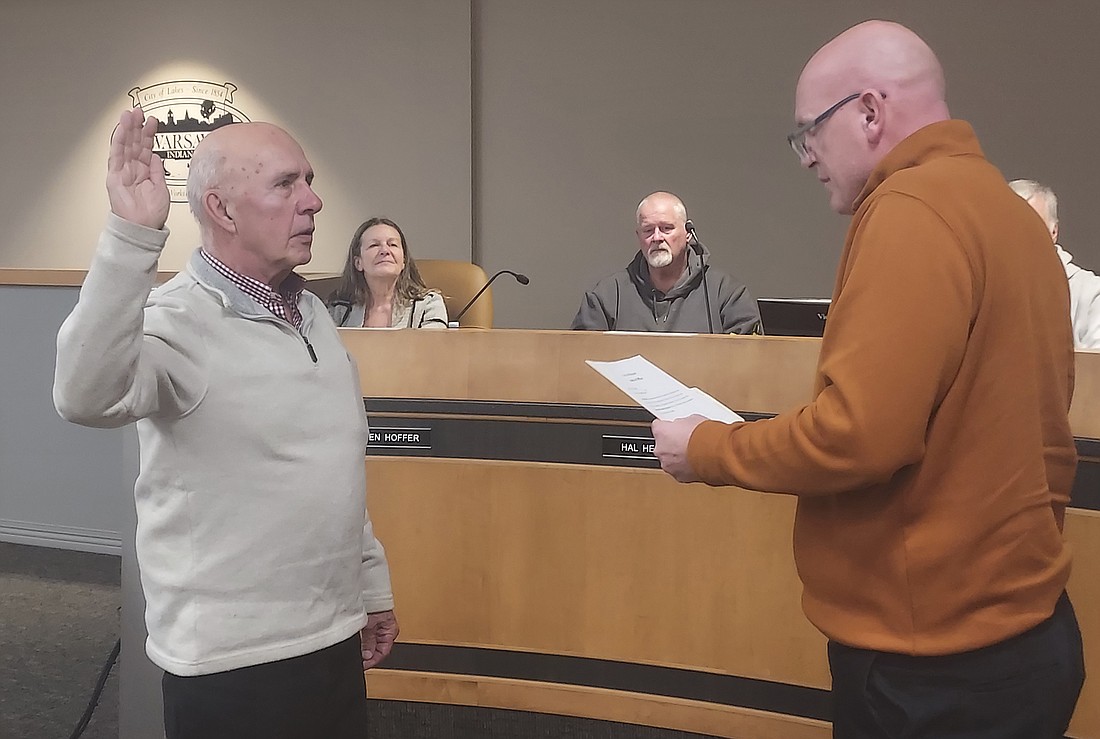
(793, 316)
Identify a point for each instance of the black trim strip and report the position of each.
(517, 409)
(727, 690)
(512, 440)
(1086, 486)
(563, 433)
(507, 409)
(1088, 447)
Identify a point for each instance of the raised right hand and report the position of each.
(135, 175)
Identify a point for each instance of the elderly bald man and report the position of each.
(934, 464)
(267, 594)
(1084, 286)
(670, 285)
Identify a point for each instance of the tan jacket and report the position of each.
(936, 459)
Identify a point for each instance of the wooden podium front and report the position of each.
(542, 562)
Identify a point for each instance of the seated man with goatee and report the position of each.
(670, 285)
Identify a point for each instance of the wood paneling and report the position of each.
(69, 277)
(616, 563)
(42, 277)
(762, 374)
(610, 705)
(619, 564)
(622, 564)
(548, 366)
(1084, 414)
(1083, 534)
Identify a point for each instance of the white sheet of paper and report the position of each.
(659, 392)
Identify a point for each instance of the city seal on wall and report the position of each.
(187, 111)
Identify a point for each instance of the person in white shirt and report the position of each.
(267, 593)
(1084, 286)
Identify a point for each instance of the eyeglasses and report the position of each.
(797, 140)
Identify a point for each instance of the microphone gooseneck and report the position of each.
(521, 279)
(697, 247)
(346, 305)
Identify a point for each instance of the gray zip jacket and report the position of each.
(627, 301)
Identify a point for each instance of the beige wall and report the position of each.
(585, 107)
(378, 92)
(578, 107)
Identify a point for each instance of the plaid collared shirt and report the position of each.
(282, 302)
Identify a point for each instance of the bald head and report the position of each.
(661, 199)
(885, 57)
(892, 84)
(222, 152)
(250, 188)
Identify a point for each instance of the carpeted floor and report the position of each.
(58, 622)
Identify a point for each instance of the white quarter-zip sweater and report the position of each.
(253, 540)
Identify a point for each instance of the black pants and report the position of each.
(1023, 688)
(316, 695)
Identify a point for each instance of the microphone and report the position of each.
(693, 238)
(697, 247)
(346, 305)
(521, 279)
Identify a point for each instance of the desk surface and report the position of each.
(763, 374)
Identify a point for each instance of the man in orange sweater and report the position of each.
(934, 465)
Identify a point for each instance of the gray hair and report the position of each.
(1030, 189)
(203, 174)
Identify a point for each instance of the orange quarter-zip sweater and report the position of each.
(934, 464)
